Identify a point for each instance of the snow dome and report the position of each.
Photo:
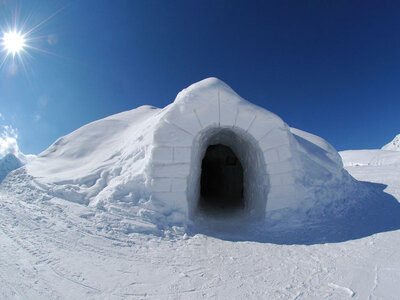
(210, 114)
(208, 149)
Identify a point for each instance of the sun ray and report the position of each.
(19, 38)
(3, 61)
(45, 20)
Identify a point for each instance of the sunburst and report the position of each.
(14, 42)
(18, 40)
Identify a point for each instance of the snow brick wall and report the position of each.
(274, 163)
(208, 113)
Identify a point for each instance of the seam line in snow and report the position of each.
(251, 123)
(219, 111)
(198, 119)
(275, 147)
(171, 164)
(165, 177)
(265, 134)
(237, 113)
(173, 124)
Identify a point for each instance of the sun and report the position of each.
(13, 42)
(19, 39)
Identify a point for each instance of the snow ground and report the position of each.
(56, 249)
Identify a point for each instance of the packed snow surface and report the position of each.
(56, 249)
(380, 166)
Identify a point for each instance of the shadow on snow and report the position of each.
(377, 212)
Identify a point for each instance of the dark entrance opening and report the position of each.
(221, 179)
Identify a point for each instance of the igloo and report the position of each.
(282, 167)
(209, 148)
(209, 113)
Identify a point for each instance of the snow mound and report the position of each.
(144, 166)
(7, 164)
(393, 145)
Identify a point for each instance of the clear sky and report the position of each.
(331, 68)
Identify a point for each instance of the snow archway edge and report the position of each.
(201, 115)
(256, 181)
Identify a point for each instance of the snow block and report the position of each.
(244, 118)
(161, 184)
(273, 139)
(208, 113)
(261, 126)
(228, 112)
(172, 135)
(171, 170)
(187, 121)
(271, 156)
(280, 167)
(179, 185)
(284, 152)
(162, 154)
(182, 154)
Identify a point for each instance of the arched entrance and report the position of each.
(227, 175)
(221, 182)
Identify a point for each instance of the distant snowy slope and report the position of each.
(388, 155)
(7, 164)
(393, 145)
(370, 158)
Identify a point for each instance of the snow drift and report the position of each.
(147, 163)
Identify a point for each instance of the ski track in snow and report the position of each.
(56, 249)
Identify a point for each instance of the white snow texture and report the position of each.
(393, 145)
(146, 163)
(7, 164)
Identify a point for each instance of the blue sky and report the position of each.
(331, 68)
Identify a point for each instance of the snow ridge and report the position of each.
(393, 145)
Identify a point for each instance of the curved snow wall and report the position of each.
(212, 113)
